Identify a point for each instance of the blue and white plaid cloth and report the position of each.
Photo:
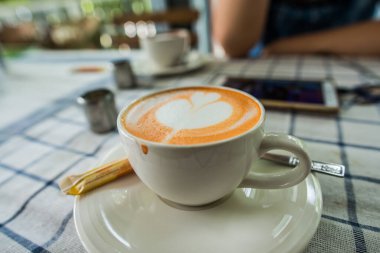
(39, 149)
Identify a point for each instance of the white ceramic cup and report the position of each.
(166, 49)
(200, 174)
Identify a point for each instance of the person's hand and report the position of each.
(293, 45)
(357, 39)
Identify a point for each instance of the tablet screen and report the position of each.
(292, 91)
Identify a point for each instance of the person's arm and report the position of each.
(238, 24)
(357, 39)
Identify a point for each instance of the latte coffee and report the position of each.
(194, 115)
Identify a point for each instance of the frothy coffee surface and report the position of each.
(191, 116)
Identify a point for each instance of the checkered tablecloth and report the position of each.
(38, 150)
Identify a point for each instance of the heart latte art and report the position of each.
(191, 116)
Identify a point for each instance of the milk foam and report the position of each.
(193, 115)
(202, 110)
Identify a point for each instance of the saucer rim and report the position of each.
(299, 246)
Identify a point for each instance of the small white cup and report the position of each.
(200, 174)
(166, 49)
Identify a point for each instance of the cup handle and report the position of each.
(284, 179)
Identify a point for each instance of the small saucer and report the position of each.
(125, 216)
(194, 61)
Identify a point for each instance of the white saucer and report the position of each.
(125, 216)
(194, 61)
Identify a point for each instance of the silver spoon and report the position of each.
(322, 167)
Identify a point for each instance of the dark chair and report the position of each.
(173, 18)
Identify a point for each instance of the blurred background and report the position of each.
(98, 24)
